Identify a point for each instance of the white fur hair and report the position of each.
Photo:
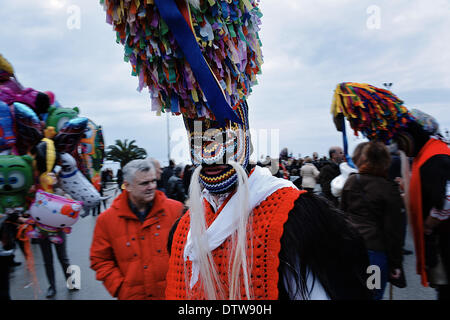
(209, 277)
(207, 270)
(239, 240)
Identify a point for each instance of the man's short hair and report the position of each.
(139, 165)
(178, 169)
(331, 151)
(153, 161)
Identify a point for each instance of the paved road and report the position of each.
(78, 244)
(414, 289)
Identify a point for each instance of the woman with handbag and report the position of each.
(373, 204)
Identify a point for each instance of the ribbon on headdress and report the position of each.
(376, 112)
(185, 38)
(345, 142)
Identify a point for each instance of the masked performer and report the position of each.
(247, 235)
(380, 115)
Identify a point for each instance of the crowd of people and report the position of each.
(287, 229)
(153, 199)
(371, 200)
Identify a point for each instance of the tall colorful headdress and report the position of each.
(376, 113)
(199, 59)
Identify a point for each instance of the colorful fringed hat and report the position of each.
(428, 122)
(197, 58)
(376, 113)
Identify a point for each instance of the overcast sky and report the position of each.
(308, 45)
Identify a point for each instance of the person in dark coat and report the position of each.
(187, 177)
(429, 186)
(175, 187)
(316, 161)
(373, 204)
(119, 179)
(166, 174)
(329, 171)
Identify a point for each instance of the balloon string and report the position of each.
(29, 258)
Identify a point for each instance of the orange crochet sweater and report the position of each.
(267, 223)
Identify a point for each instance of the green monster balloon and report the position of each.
(16, 178)
(57, 117)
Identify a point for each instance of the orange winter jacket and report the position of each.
(130, 256)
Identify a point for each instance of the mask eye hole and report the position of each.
(16, 180)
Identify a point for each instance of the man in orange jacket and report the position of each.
(128, 251)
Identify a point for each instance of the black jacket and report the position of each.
(373, 205)
(327, 173)
(175, 189)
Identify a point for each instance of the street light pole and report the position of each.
(388, 85)
(168, 137)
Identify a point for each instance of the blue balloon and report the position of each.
(28, 127)
(70, 135)
(23, 112)
(7, 137)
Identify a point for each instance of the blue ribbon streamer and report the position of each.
(186, 40)
(344, 138)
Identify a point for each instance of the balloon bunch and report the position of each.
(37, 137)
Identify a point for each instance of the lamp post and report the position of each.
(168, 137)
(388, 85)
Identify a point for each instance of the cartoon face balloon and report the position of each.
(55, 211)
(57, 117)
(15, 180)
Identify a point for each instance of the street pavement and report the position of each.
(79, 242)
(78, 245)
(414, 289)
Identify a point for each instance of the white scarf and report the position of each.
(261, 184)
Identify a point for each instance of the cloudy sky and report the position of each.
(309, 46)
